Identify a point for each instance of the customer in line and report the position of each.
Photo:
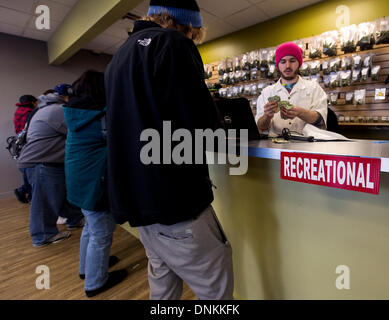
(309, 100)
(157, 76)
(25, 107)
(43, 158)
(86, 180)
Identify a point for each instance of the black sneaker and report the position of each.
(60, 236)
(114, 278)
(20, 196)
(112, 261)
(78, 225)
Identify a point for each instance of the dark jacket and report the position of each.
(86, 154)
(156, 76)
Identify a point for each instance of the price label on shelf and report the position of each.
(380, 94)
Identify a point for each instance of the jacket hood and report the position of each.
(80, 111)
(51, 98)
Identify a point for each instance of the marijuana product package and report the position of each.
(335, 65)
(360, 97)
(364, 73)
(301, 44)
(226, 78)
(345, 78)
(305, 69)
(254, 59)
(229, 64)
(254, 74)
(272, 71)
(247, 90)
(330, 39)
(229, 92)
(253, 103)
(272, 55)
(315, 48)
(347, 63)
(223, 92)
(334, 98)
(326, 67)
(349, 38)
(375, 73)
(349, 97)
(246, 65)
(264, 56)
(232, 78)
(334, 79)
(357, 61)
(315, 67)
(382, 32)
(207, 71)
(263, 70)
(246, 75)
(356, 76)
(221, 68)
(367, 60)
(237, 64)
(327, 79)
(253, 90)
(316, 78)
(237, 75)
(366, 36)
(261, 86)
(240, 90)
(235, 92)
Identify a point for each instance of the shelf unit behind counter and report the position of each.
(363, 114)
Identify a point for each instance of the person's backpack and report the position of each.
(16, 143)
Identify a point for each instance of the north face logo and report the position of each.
(145, 42)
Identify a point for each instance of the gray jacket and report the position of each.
(46, 135)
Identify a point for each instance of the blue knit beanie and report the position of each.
(185, 12)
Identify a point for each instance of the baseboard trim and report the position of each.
(6, 195)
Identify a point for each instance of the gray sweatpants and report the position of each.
(196, 251)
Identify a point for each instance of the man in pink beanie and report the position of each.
(307, 97)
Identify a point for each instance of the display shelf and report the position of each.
(371, 107)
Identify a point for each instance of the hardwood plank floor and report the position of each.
(19, 260)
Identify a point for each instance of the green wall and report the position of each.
(307, 22)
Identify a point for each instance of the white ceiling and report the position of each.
(220, 17)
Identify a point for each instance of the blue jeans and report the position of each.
(26, 187)
(95, 245)
(49, 202)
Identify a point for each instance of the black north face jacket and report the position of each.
(156, 76)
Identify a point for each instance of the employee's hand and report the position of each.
(270, 109)
(291, 113)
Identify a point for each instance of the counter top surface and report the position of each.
(358, 148)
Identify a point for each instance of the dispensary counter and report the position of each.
(289, 238)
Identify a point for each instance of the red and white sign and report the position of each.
(350, 173)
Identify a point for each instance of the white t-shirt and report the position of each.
(305, 94)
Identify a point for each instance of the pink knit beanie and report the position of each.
(289, 49)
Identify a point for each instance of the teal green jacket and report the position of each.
(86, 154)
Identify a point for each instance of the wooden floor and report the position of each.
(19, 260)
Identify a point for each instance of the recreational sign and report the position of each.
(343, 172)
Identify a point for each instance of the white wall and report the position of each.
(24, 69)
